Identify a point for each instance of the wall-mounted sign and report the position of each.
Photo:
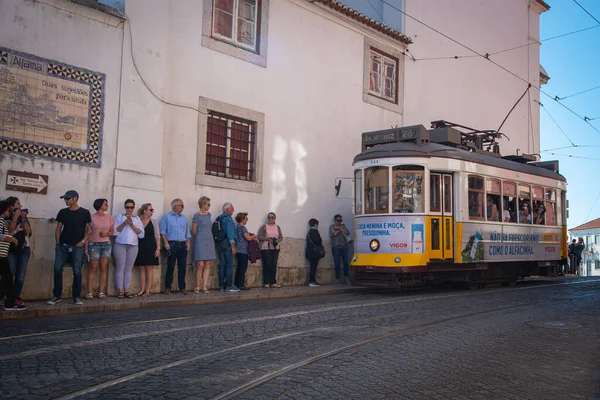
(49, 109)
(27, 182)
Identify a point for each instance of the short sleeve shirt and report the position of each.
(241, 244)
(101, 224)
(74, 223)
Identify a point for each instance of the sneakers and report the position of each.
(267, 286)
(232, 289)
(89, 296)
(18, 306)
(275, 285)
(313, 284)
(77, 301)
(244, 288)
(53, 301)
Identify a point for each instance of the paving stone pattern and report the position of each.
(536, 341)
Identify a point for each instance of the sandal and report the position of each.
(205, 291)
(101, 296)
(120, 295)
(140, 293)
(129, 295)
(197, 290)
(144, 294)
(89, 296)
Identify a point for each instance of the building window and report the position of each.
(383, 70)
(230, 147)
(596, 264)
(236, 21)
(383, 76)
(237, 28)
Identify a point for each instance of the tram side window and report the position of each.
(492, 205)
(539, 210)
(358, 192)
(475, 197)
(524, 204)
(407, 186)
(435, 197)
(376, 190)
(550, 201)
(509, 202)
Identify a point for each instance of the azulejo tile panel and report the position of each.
(50, 109)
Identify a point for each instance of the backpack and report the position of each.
(217, 231)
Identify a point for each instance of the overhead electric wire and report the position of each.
(572, 156)
(486, 56)
(592, 208)
(546, 40)
(586, 11)
(557, 125)
(578, 93)
(570, 147)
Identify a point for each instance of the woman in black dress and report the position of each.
(148, 249)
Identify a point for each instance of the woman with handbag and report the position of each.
(314, 250)
(340, 237)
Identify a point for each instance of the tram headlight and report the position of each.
(397, 260)
(374, 245)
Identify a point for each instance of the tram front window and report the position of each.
(407, 187)
(376, 190)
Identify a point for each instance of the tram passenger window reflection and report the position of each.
(492, 207)
(475, 197)
(508, 213)
(524, 213)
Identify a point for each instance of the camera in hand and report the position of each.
(274, 242)
(25, 210)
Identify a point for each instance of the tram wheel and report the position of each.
(472, 285)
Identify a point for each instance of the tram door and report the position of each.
(441, 222)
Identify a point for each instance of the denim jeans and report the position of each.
(225, 267)
(74, 256)
(240, 273)
(179, 255)
(340, 252)
(269, 260)
(18, 265)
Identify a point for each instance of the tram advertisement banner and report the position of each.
(491, 242)
(396, 234)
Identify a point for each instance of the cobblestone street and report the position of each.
(538, 340)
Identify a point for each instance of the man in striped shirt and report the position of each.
(6, 281)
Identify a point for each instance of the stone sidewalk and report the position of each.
(66, 307)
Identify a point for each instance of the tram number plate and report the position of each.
(369, 268)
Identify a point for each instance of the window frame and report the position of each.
(397, 105)
(205, 105)
(408, 169)
(367, 211)
(232, 145)
(383, 76)
(358, 176)
(497, 194)
(222, 44)
(235, 17)
(481, 194)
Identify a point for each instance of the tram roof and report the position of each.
(428, 150)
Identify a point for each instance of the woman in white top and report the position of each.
(128, 228)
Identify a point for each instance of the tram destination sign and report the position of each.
(26, 182)
(415, 133)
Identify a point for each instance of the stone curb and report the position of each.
(41, 309)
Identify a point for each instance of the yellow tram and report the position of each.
(435, 206)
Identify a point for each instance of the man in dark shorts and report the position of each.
(72, 230)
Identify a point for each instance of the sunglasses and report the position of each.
(150, 209)
(338, 220)
(129, 207)
(271, 217)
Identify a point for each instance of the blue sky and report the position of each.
(573, 65)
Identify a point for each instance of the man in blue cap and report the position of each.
(73, 228)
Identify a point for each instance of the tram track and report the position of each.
(203, 315)
(246, 387)
(339, 325)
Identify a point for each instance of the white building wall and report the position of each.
(472, 91)
(310, 93)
